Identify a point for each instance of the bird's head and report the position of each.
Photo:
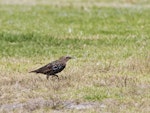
(66, 58)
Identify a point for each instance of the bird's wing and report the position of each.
(45, 69)
(58, 66)
(51, 68)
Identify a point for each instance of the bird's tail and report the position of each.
(34, 71)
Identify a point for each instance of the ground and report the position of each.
(111, 43)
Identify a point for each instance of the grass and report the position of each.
(111, 45)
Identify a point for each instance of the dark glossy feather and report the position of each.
(53, 68)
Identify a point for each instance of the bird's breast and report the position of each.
(58, 68)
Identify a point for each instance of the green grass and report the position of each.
(111, 46)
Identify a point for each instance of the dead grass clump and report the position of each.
(106, 67)
(116, 81)
(138, 65)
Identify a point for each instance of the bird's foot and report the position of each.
(47, 77)
(57, 76)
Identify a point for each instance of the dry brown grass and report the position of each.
(125, 87)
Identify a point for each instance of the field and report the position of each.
(109, 38)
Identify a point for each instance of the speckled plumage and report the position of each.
(54, 67)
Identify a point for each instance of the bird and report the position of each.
(54, 67)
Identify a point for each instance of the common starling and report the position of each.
(54, 67)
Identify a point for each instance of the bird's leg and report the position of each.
(57, 76)
(47, 77)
